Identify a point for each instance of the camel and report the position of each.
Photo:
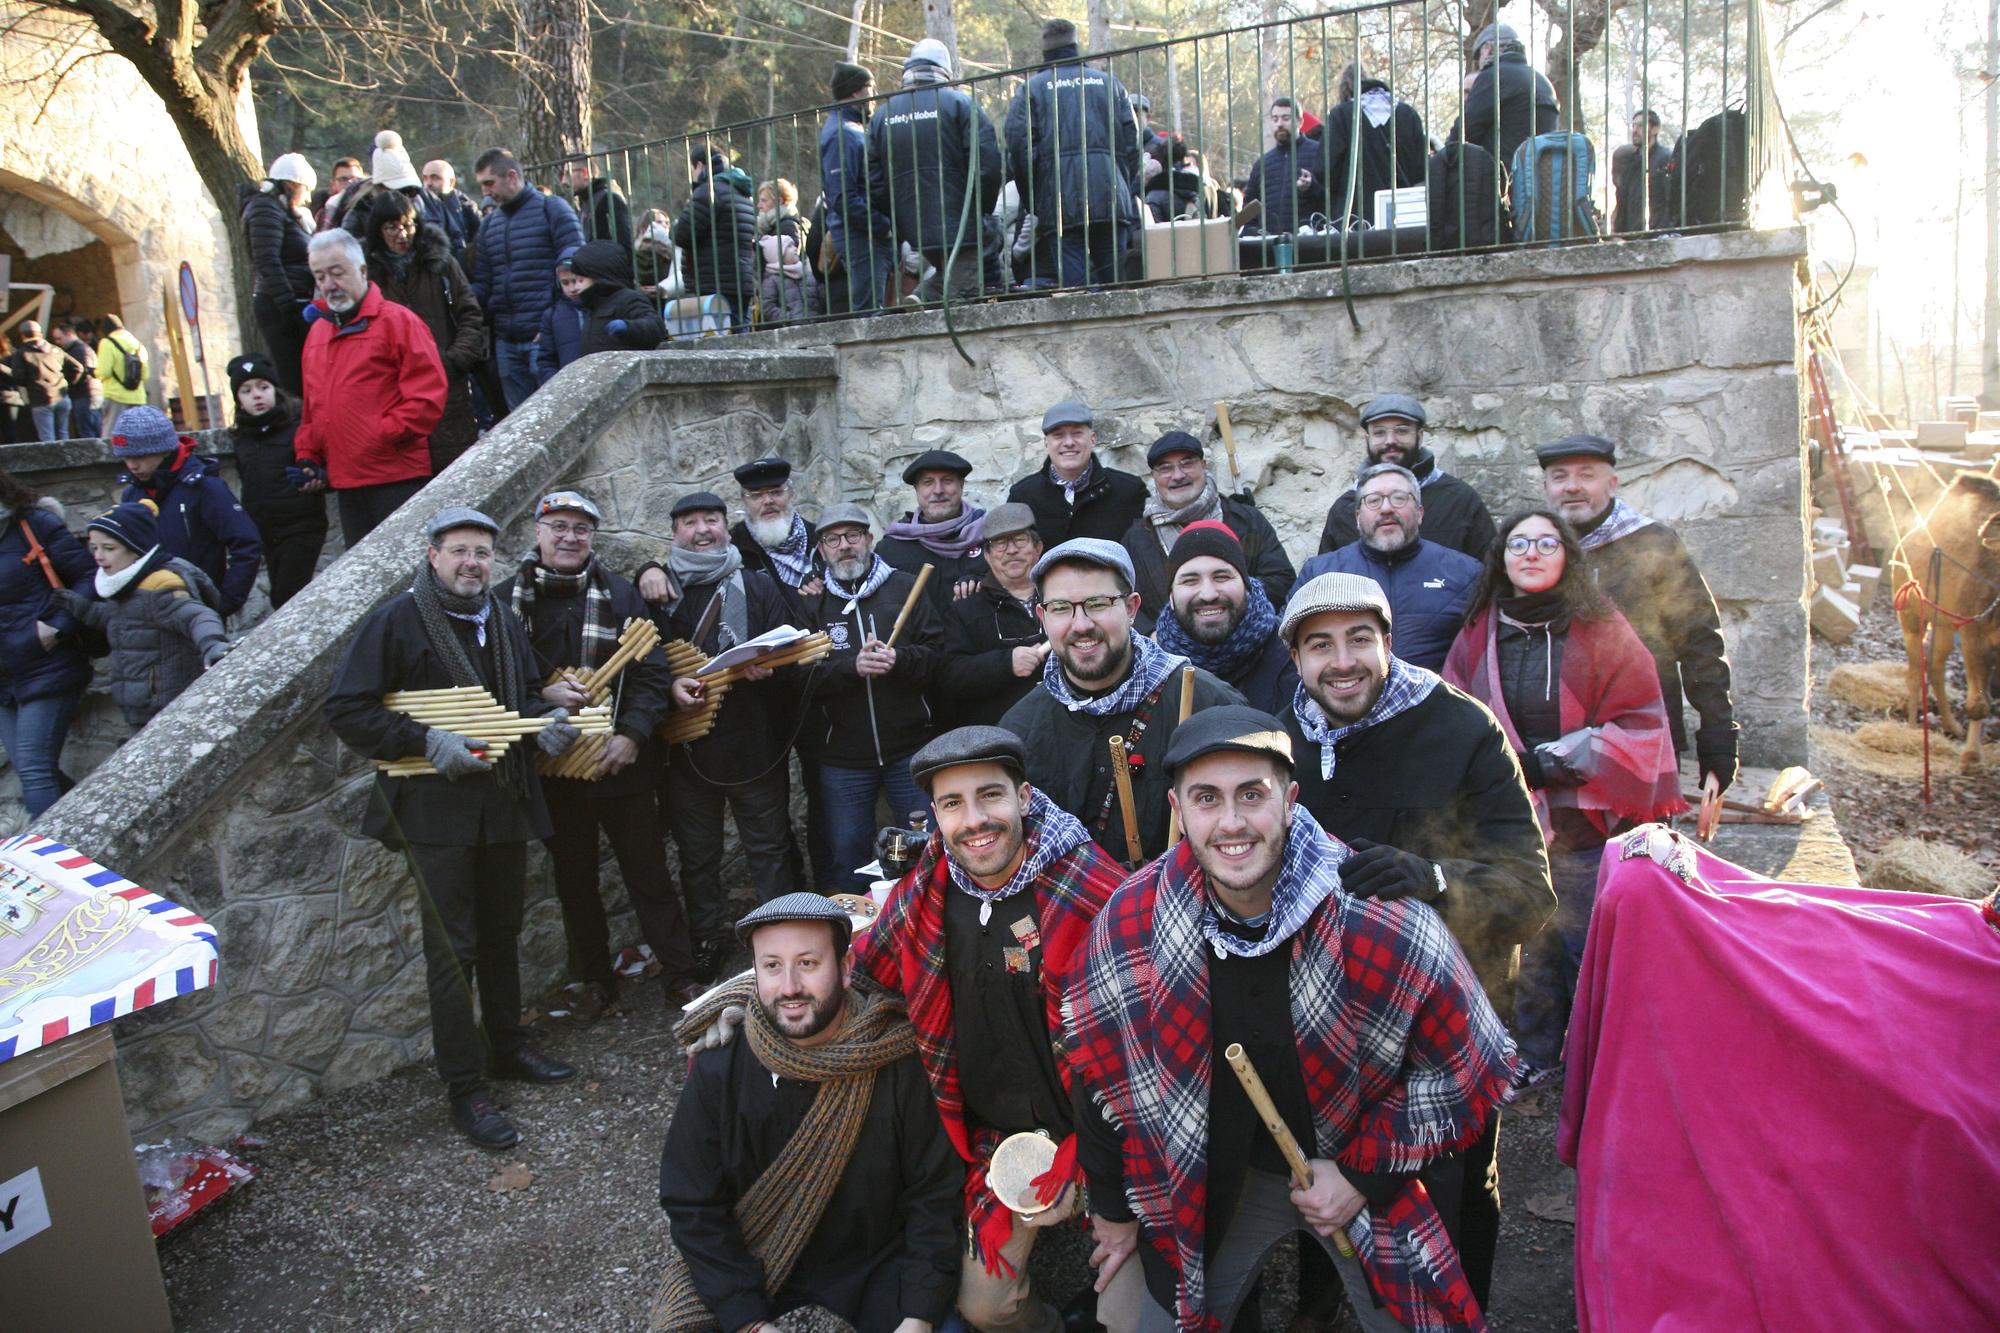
(1964, 606)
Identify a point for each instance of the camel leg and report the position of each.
(1941, 641)
(1913, 668)
(1977, 643)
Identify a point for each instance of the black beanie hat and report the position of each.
(251, 366)
(1058, 37)
(1208, 537)
(848, 80)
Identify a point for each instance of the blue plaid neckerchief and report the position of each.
(1151, 664)
(877, 575)
(1310, 875)
(793, 559)
(1622, 521)
(1406, 687)
(1234, 654)
(1051, 833)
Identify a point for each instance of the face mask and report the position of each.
(658, 234)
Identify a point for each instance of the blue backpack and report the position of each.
(1552, 179)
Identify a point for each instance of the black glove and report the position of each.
(1551, 768)
(1376, 871)
(1717, 755)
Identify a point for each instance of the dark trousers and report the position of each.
(632, 823)
(1086, 256)
(291, 559)
(819, 848)
(851, 823)
(283, 330)
(854, 284)
(471, 901)
(362, 508)
(1551, 961)
(695, 808)
(1478, 1234)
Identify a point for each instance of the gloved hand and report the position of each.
(68, 600)
(1379, 871)
(298, 476)
(1720, 760)
(451, 755)
(616, 328)
(722, 1031)
(312, 313)
(913, 260)
(558, 735)
(1552, 770)
(1024, 240)
(216, 652)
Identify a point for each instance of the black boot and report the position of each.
(529, 1065)
(479, 1120)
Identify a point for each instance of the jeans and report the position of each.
(850, 816)
(517, 370)
(83, 420)
(1550, 961)
(695, 808)
(854, 285)
(631, 823)
(362, 508)
(52, 421)
(32, 733)
(471, 903)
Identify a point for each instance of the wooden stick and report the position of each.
(399, 698)
(1228, 441)
(909, 604)
(1267, 1111)
(1121, 777)
(1187, 707)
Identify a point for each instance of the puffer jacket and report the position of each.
(202, 522)
(431, 282)
(1274, 183)
(717, 234)
(920, 166)
(1428, 586)
(1073, 148)
(611, 297)
(272, 499)
(162, 626)
(277, 237)
(518, 245)
(1509, 103)
(27, 670)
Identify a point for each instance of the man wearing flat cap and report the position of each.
(1643, 568)
(1185, 492)
(1392, 428)
(943, 531)
(1101, 680)
(978, 940)
(464, 826)
(1361, 1017)
(994, 644)
(1074, 494)
(575, 609)
(805, 1165)
(1418, 778)
(773, 535)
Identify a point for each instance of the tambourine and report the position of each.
(861, 910)
(1016, 1163)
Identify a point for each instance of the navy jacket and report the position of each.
(920, 167)
(1428, 586)
(561, 339)
(27, 671)
(518, 245)
(202, 522)
(1073, 149)
(843, 173)
(1274, 181)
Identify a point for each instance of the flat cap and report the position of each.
(459, 516)
(1577, 446)
(934, 460)
(1333, 592)
(1069, 412)
(763, 474)
(698, 502)
(1173, 442)
(1393, 405)
(1236, 727)
(1006, 520)
(575, 501)
(800, 906)
(1086, 551)
(846, 514)
(969, 745)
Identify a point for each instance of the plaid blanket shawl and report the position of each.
(903, 954)
(1403, 1057)
(1610, 692)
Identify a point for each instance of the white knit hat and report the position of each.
(294, 167)
(392, 168)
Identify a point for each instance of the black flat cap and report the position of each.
(1227, 727)
(935, 460)
(1173, 442)
(763, 474)
(1393, 405)
(697, 501)
(800, 906)
(969, 745)
(1577, 446)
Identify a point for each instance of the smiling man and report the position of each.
(1075, 494)
(1392, 428)
(1364, 1021)
(943, 531)
(1222, 620)
(772, 535)
(1184, 492)
(994, 645)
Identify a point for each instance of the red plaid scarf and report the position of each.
(903, 953)
(1403, 1058)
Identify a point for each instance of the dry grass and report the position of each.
(1904, 765)
(1877, 687)
(1915, 866)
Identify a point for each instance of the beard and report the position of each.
(1211, 633)
(1111, 666)
(340, 301)
(815, 1020)
(851, 569)
(1389, 535)
(771, 532)
(1352, 708)
(941, 511)
(991, 861)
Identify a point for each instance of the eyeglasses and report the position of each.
(1547, 545)
(1394, 500)
(845, 537)
(482, 554)
(1011, 543)
(570, 529)
(405, 225)
(1094, 607)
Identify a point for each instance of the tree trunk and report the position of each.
(555, 82)
(942, 24)
(1581, 34)
(854, 33)
(1989, 352)
(1098, 39)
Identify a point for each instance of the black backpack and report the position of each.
(132, 362)
(1710, 170)
(1465, 172)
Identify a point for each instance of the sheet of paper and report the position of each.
(767, 642)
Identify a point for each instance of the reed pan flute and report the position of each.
(638, 639)
(687, 660)
(471, 712)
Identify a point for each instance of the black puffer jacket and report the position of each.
(274, 502)
(277, 237)
(976, 679)
(612, 297)
(1509, 103)
(717, 234)
(1073, 148)
(920, 166)
(430, 282)
(1274, 183)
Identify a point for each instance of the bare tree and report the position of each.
(554, 79)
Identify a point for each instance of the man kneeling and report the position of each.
(807, 1165)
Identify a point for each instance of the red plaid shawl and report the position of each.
(903, 953)
(1610, 686)
(1403, 1057)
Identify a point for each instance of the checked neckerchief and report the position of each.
(1051, 833)
(1405, 688)
(794, 559)
(1151, 664)
(1403, 1059)
(600, 629)
(1622, 521)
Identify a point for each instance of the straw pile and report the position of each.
(1912, 865)
(1877, 687)
(1887, 750)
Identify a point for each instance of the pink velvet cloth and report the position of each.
(1783, 1102)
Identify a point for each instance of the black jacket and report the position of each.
(753, 727)
(604, 214)
(431, 282)
(717, 234)
(899, 1204)
(1632, 174)
(910, 556)
(1269, 564)
(1509, 103)
(1393, 154)
(611, 296)
(865, 722)
(1454, 515)
(921, 166)
(642, 696)
(1068, 758)
(273, 500)
(1274, 182)
(976, 680)
(1440, 780)
(1268, 680)
(277, 238)
(1109, 503)
(1652, 580)
(1073, 148)
(391, 652)
(757, 558)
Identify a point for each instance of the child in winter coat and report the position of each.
(157, 611)
(291, 522)
(601, 310)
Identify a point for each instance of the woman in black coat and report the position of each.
(410, 260)
(277, 230)
(290, 522)
(717, 234)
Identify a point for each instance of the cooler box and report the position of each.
(1190, 248)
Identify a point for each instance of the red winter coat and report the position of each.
(374, 392)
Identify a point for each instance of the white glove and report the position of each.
(722, 1031)
(913, 260)
(1024, 240)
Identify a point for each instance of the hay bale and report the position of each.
(1877, 687)
(1899, 738)
(1898, 765)
(1915, 866)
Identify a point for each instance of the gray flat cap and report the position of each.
(847, 514)
(1334, 592)
(969, 745)
(575, 501)
(1006, 520)
(1086, 551)
(800, 906)
(1594, 447)
(1069, 412)
(1236, 727)
(459, 516)
(1393, 405)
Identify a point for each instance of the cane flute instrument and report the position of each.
(1187, 709)
(909, 604)
(1267, 1111)
(1228, 433)
(1121, 778)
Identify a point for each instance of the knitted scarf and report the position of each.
(877, 575)
(904, 954)
(1402, 1056)
(1406, 687)
(1168, 520)
(1235, 654)
(1621, 520)
(505, 640)
(535, 580)
(794, 559)
(724, 568)
(778, 1212)
(952, 538)
(1151, 664)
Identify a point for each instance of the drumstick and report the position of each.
(1228, 440)
(1267, 1111)
(1187, 707)
(909, 604)
(1121, 777)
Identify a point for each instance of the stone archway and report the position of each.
(48, 238)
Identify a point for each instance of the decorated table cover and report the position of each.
(80, 945)
(1781, 1101)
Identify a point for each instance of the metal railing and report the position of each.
(1157, 162)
